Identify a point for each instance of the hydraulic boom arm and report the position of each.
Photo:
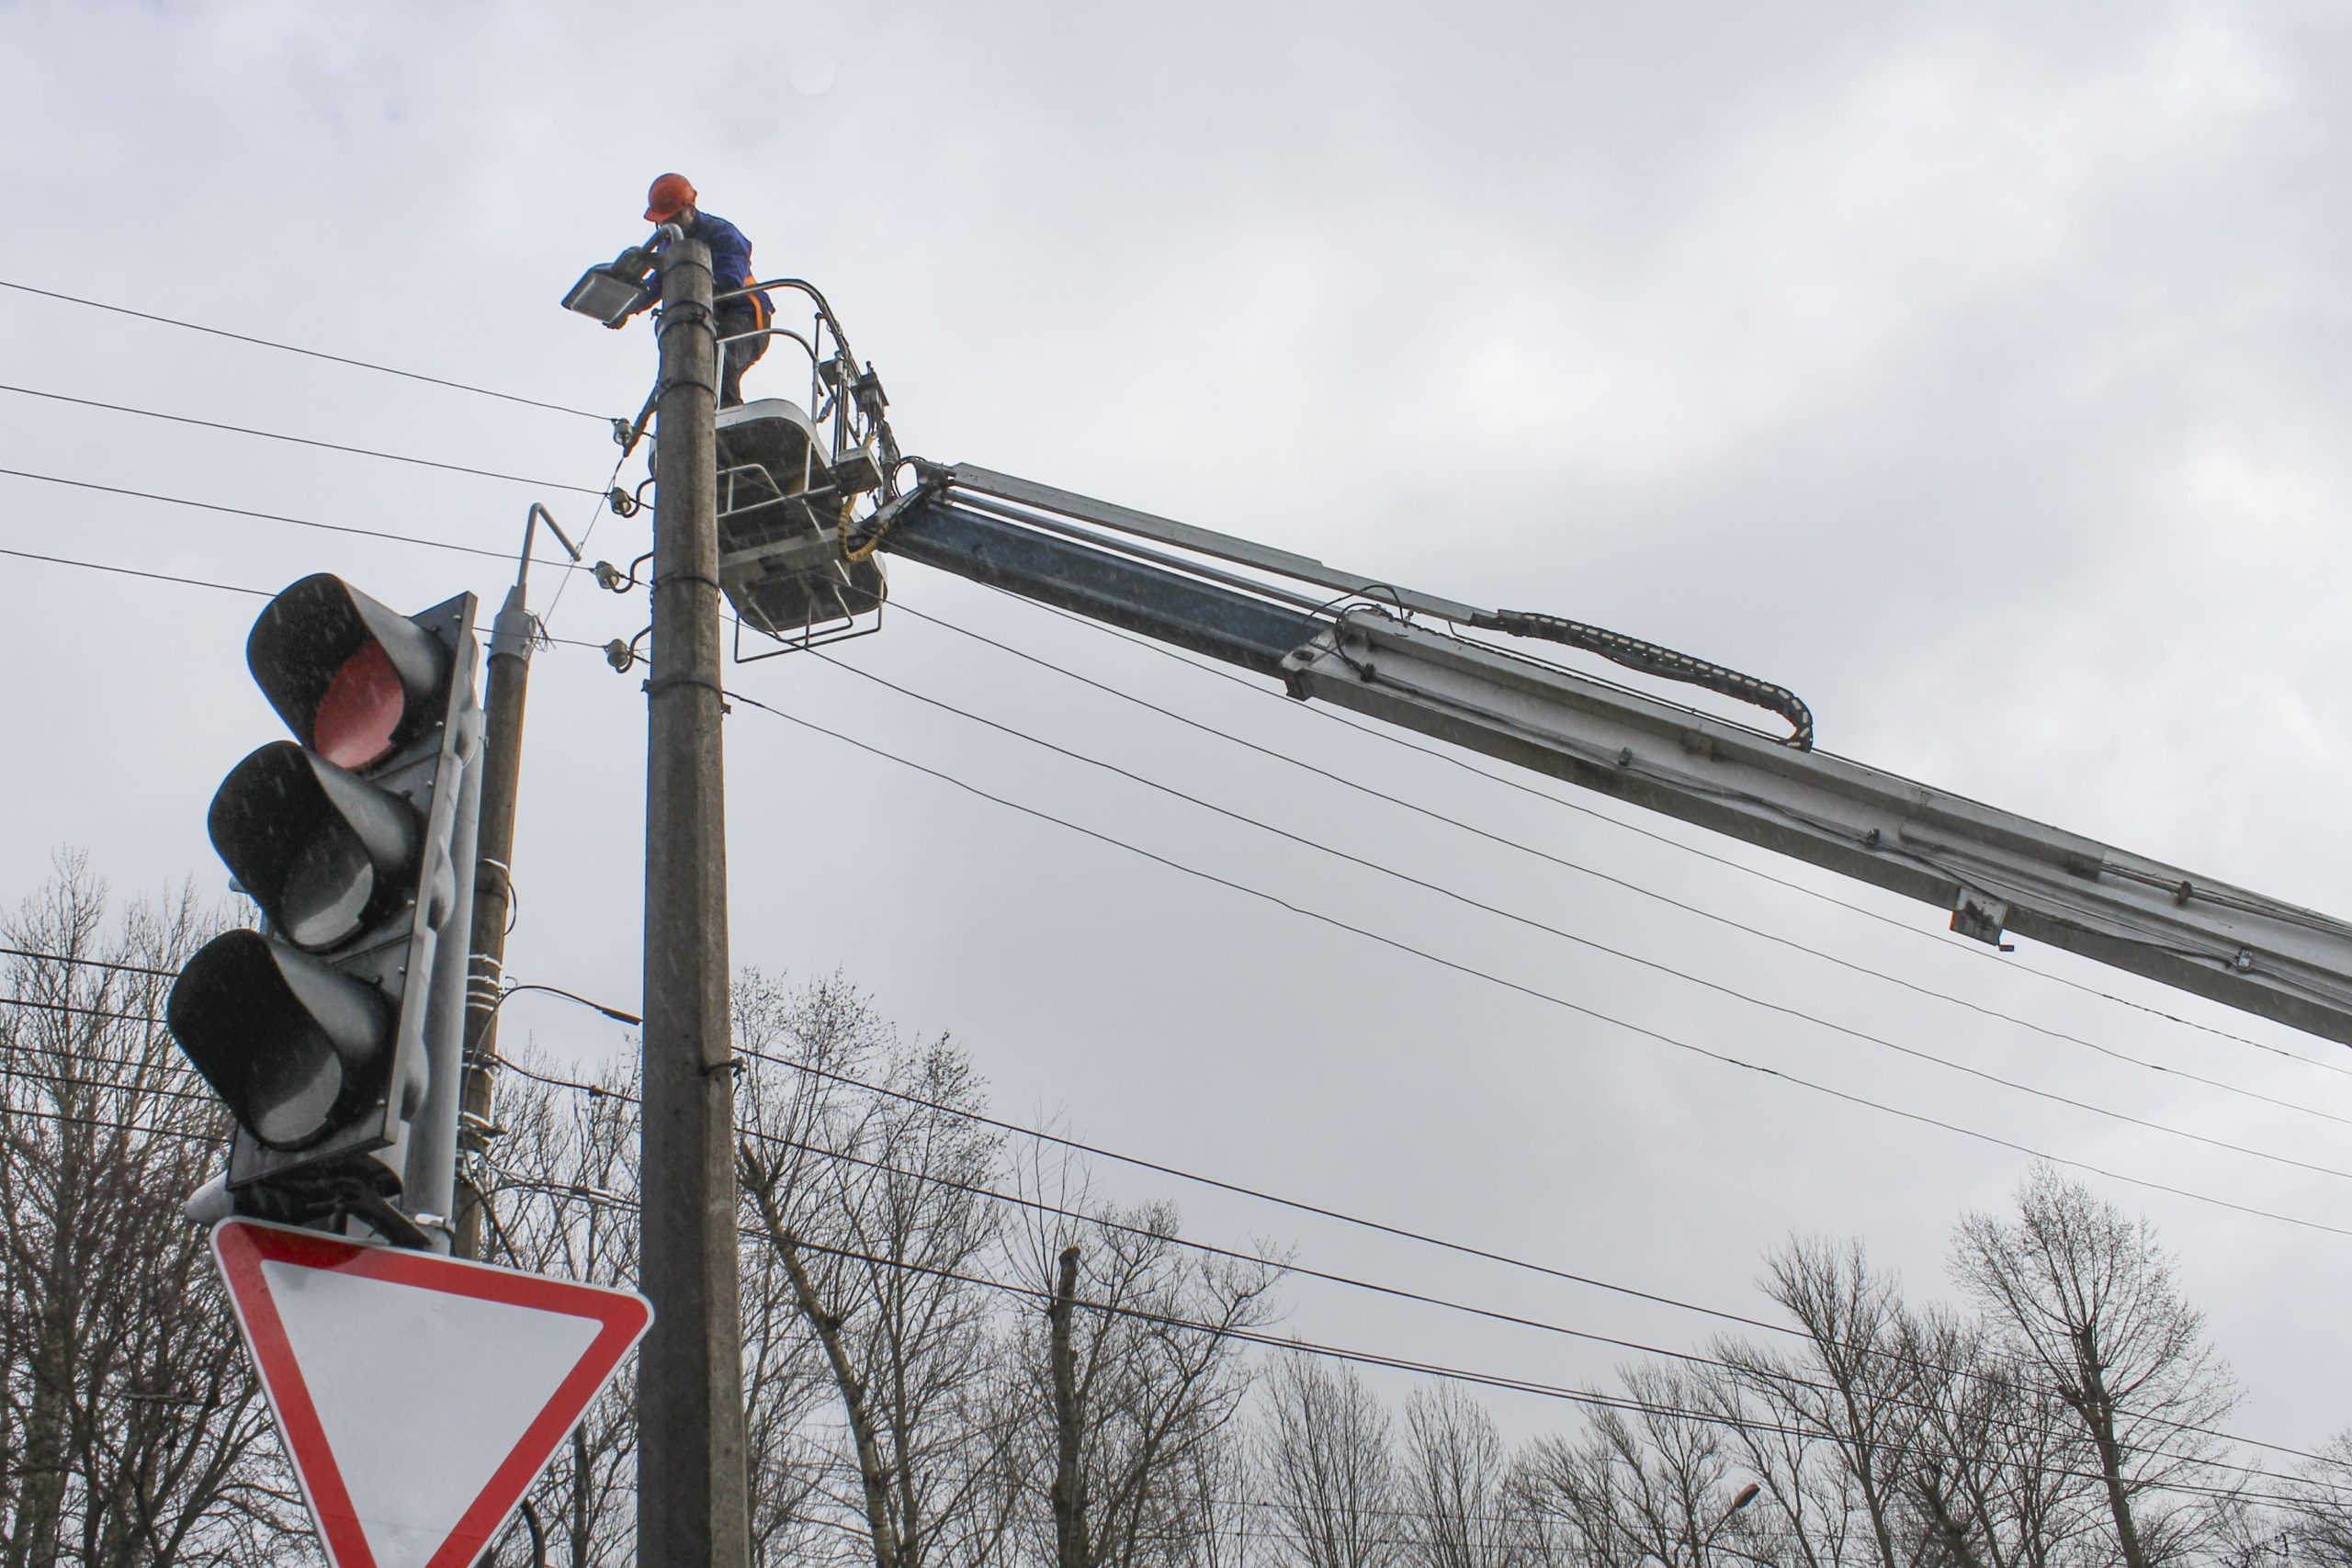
(1371, 647)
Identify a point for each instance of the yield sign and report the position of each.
(419, 1396)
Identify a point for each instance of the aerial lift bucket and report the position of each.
(781, 496)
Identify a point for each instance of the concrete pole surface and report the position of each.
(693, 1510)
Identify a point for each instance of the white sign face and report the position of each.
(418, 1397)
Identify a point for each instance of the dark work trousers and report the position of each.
(737, 316)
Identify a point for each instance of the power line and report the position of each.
(87, 1013)
(562, 562)
(1400, 1293)
(1508, 1383)
(182, 1134)
(68, 1081)
(134, 571)
(595, 1090)
(296, 440)
(305, 353)
(1536, 993)
(1659, 966)
(1971, 949)
(1626, 883)
(69, 959)
(612, 483)
(599, 1090)
(1380, 1227)
(231, 586)
(1038, 1205)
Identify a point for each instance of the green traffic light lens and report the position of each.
(296, 1047)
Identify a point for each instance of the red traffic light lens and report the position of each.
(352, 679)
(361, 710)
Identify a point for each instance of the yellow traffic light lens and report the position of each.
(327, 890)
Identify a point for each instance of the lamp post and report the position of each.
(693, 1507)
(1700, 1546)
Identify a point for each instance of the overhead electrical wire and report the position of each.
(1536, 993)
(1504, 1382)
(1440, 1370)
(552, 561)
(1334, 777)
(134, 571)
(228, 587)
(754, 703)
(66, 1080)
(305, 353)
(1381, 868)
(597, 1091)
(1351, 1281)
(296, 440)
(87, 1013)
(70, 959)
(1341, 779)
(464, 386)
(1388, 736)
(1361, 787)
(1375, 1226)
(460, 386)
(182, 1134)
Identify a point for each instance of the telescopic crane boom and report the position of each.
(1402, 657)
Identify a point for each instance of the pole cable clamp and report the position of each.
(661, 682)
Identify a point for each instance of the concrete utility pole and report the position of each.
(692, 1504)
(502, 775)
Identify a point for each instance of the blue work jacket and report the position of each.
(730, 263)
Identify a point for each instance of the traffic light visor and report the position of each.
(352, 678)
(325, 854)
(294, 1047)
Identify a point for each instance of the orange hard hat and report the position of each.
(667, 195)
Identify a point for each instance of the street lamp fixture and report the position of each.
(614, 291)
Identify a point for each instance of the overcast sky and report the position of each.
(1979, 372)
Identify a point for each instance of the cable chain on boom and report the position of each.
(1652, 660)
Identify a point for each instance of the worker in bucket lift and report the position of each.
(671, 200)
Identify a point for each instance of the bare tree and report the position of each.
(2318, 1525)
(1216, 1522)
(131, 1428)
(1987, 1476)
(1810, 1510)
(875, 1206)
(1327, 1456)
(1135, 1374)
(2086, 1300)
(1854, 1389)
(1452, 1480)
(560, 1197)
(1656, 1482)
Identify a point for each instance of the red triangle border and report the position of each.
(242, 1245)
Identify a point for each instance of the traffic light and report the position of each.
(332, 1032)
